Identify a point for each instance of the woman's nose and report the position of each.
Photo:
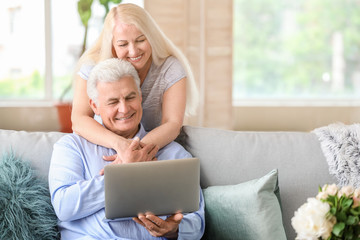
(133, 50)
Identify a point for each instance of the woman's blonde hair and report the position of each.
(162, 46)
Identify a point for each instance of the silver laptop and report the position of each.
(160, 187)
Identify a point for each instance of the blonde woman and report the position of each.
(167, 83)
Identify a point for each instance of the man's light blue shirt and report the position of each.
(77, 193)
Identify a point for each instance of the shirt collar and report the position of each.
(141, 133)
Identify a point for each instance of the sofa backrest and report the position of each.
(227, 157)
(34, 147)
(230, 157)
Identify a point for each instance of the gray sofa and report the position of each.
(227, 157)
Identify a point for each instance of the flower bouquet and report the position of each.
(332, 215)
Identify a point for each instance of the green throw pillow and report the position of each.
(26, 212)
(249, 210)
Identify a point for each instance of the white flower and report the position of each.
(326, 191)
(357, 193)
(356, 198)
(322, 195)
(331, 189)
(347, 191)
(310, 220)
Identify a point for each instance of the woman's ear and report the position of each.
(94, 107)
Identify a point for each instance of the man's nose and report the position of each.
(123, 107)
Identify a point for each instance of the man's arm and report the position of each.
(192, 225)
(72, 196)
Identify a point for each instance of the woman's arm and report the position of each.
(84, 124)
(173, 111)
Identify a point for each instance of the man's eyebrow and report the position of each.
(131, 94)
(111, 99)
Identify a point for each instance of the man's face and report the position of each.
(119, 105)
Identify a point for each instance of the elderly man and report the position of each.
(77, 188)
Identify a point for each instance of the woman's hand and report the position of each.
(136, 152)
(116, 157)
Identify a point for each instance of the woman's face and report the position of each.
(131, 45)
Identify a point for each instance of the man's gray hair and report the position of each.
(110, 70)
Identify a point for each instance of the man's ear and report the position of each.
(94, 107)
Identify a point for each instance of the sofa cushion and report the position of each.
(231, 157)
(33, 147)
(250, 210)
(341, 146)
(25, 208)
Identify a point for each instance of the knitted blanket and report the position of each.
(340, 144)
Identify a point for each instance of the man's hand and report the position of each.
(136, 152)
(160, 228)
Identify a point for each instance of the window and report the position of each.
(22, 55)
(40, 43)
(307, 49)
(67, 39)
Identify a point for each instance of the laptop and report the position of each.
(162, 187)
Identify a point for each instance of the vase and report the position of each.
(64, 116)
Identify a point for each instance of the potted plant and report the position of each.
(64, 112)
(64, 108)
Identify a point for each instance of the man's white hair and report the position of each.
(110, 70)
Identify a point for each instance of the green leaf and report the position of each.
(352, 220)
(106, 2)
(338, 229)
(84, 10)
(356, 231)
(355, 211)
(347, 202)
(349, 234)
(333, 211)
(341, 216)
(332, 200)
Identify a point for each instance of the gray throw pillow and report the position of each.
(340, 144)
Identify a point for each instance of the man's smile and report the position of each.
(125, 118)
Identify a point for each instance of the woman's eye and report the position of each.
(123, 45)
